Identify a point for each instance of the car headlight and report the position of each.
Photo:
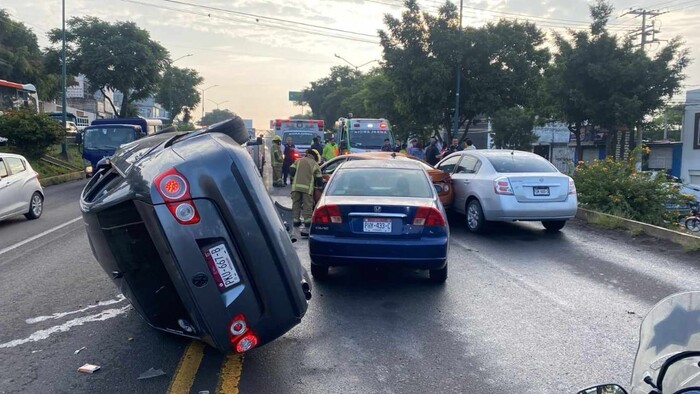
(88, 169)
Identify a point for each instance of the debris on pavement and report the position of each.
(79, 350)
(130, 339)
(89, 368)
(151, 373)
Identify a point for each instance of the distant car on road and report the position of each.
(379, 212)
(441, 179)
(505, 185)
(20, 191)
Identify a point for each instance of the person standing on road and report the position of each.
(432, 152)
(288, 159)
(306, 178)
(470, 145)
(387, 146)
(452, 148)
(317, 144)
(330, 150)
(277, 161)
(397, 146)
(416, 150)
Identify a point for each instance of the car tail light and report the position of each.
(572, 186)
(502, 186)
(241, 337)
(428, 216)
(175, 190)
(327, 214)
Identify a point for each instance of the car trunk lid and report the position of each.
(539, 187)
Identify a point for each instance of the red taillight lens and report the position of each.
(572, 186)
(174, 189)
(241, 337)
(327, 214)
(428, 216)
(502, 186)
(246, 343)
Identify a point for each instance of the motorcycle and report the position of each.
(668, 356)
(692, 222)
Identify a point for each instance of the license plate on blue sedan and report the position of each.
(540, 191)
(376, 225)
(221, 266)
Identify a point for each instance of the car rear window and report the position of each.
(380, 182)
(16, 165)
(519, 163)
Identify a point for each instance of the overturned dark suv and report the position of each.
(184, 226)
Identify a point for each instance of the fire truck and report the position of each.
(302, 132)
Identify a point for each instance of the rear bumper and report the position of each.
(425, 253)
(507, 208)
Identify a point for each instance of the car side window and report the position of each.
(449, 164)
(468, 165)
(15, 165)
(3, 169)
(332, 166)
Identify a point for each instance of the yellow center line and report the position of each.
(187, 368)
(230, 374)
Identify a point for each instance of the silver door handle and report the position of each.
(466, 181)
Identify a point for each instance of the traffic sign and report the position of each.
(296, 96)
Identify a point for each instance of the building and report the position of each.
(81, 98)
(553, 144)
(147, 108)
(690, 161)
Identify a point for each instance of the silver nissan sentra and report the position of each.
(509, 185)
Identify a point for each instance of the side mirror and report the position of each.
(604, 389)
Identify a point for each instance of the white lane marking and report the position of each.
(59, 315)
(31, 239)
(44, 334)
(520, 280)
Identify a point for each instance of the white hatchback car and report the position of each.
(20, 191)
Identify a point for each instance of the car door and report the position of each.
(449, 165)
(11, 187)
(463, 179)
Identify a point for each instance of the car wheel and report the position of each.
(36, 206)
(439, 275)
(475, 217)
(552, 226)
(319, 272)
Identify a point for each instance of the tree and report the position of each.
(22, 61)
(513, 129)
(178, 89)
(667, 124)
(215, 116)
(29, 133)
(307, 115)
(119, 56)
(327, 96)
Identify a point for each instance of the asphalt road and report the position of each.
(522, 311)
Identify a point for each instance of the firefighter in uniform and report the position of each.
(306, 177)
(277, 161)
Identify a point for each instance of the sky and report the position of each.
(251, 53)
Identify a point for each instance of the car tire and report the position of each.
(475, 217)
(439, 275)
(319, 272)
(552, 226)
(36, 206)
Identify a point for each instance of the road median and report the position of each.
(689, 242)
(55, 180)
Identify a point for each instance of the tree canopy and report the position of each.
(114, 56)
(178, 89)
(215, 116)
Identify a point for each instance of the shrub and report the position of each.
(615, 187)
(29, 133)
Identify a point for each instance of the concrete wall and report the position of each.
(690, 165)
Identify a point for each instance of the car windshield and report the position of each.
(107, 137)
(369, 139)
(299, 137)
(380, 182)
(520, 163)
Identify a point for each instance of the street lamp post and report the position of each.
(357, 68)
(455, 121)
(204, 90)
(170, 88)
(218, 104)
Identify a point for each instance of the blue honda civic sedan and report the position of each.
(379, 212)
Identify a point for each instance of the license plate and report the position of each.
(540, 190)
(377, 226)
(221, 266)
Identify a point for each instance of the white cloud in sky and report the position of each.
(255, 64)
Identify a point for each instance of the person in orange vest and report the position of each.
(330, 150)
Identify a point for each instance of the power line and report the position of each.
(645, 30)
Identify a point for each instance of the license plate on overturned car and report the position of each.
(376, 225)
(221, 266)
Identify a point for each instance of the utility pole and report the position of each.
(455, 120)
(645, 31)
(64, 144)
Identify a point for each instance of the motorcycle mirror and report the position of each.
(604, 389)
